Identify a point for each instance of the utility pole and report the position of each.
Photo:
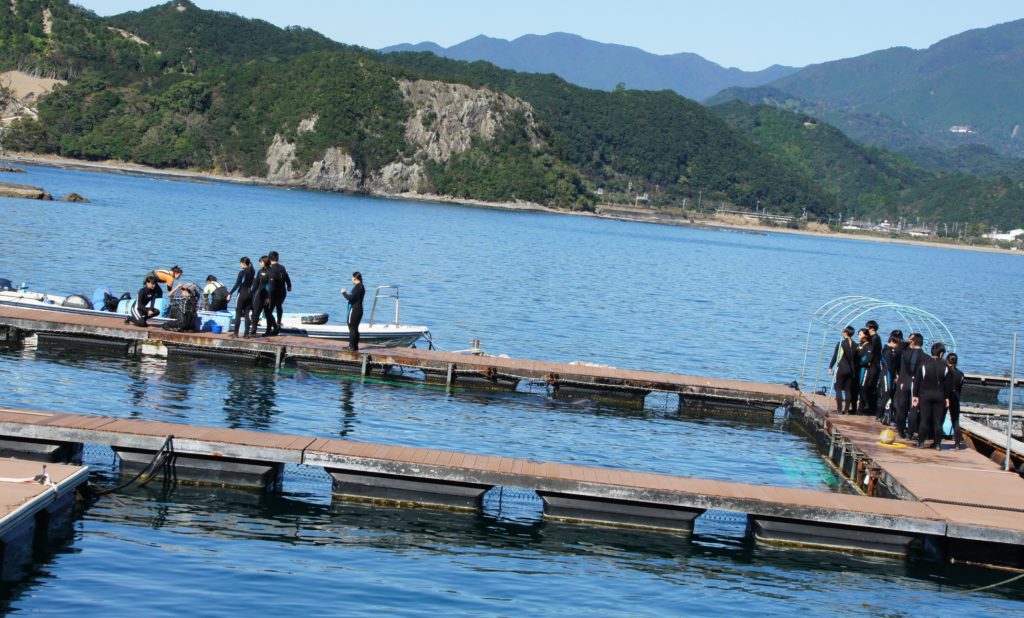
(700, 194)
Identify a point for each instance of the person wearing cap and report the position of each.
(215, 295)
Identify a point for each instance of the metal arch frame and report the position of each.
(839, 312)
(831, 314)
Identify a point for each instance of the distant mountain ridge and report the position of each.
(603, 66)
(965, 89)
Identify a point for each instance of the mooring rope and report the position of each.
(995, 585)
(1012, 509)
(160, 459)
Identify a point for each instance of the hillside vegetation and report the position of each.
(177, 86)
(974, 79)
(872, 182)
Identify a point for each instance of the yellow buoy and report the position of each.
(888, 436)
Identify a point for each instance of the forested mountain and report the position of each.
(60, 41)
(177, 86)
(974, 81)
(602, 66)
(227, 103)
(873, 182)
(669, 143)
(198, 39)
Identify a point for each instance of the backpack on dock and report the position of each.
(182, 313)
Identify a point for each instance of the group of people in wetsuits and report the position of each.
(257, 293)
(260, 293)
(898, 383)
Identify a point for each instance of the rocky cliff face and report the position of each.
(444, 121)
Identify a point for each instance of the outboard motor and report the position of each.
(6, 285)
(77, 301)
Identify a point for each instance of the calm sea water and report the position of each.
(692, 301)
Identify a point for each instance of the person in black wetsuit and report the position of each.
(355, 309)
(280, 285)
(843, 367)
(930, 396)
(143, 308)
(954, 386)
(910, 359)
(869, 392)
(864, 360)
(260, 293)
(889, 367)
(243, 304)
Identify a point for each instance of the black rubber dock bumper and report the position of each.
(829, 536)
(40, 450)
(204, 470)
(390, 488)
(586, 509)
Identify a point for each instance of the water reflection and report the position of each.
(348, 410)
(250, 399)
(723, 562)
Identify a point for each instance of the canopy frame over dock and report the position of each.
(831, 317)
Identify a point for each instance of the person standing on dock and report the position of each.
(843, 366)
(280, 285)
(869, 399)
(243, 304)
(889, 367)
(906, 418)
(355, 309)
(929, 393)
(260, 293)
(954, 386)
(143, 308)
(864, 360)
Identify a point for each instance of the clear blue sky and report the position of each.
(749, 34)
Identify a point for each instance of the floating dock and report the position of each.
(35, 506)
(956, 503)
(451, 480)
(985, 389)
(450, 369)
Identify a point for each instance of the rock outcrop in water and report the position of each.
(23, 191)
(75, 198)
(445, 120)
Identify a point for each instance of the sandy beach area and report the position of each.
(615, 212)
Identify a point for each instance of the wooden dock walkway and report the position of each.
(448, 368)
(618, 497)
(35, 500)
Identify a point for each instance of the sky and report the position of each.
(748, 34)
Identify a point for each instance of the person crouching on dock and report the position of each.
(143, 308)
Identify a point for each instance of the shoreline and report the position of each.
(615, 212)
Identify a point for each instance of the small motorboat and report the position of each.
(392, 334)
